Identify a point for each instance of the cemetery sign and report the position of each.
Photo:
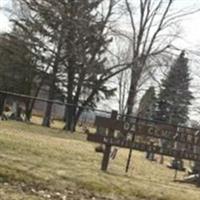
(182, 142)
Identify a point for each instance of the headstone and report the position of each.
(100, 131)
(177, 163)
(150, 154)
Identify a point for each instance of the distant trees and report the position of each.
(153, 26)
(175, 96)
(70, 40)
(66, 45)
(17, 69)
(147, 106)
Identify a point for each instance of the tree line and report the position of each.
(69, 46)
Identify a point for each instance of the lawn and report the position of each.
(41, 163)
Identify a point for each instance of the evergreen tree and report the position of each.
(70, 39)
(175, 96)
(147, 110)
(147, 105)
(17, 67)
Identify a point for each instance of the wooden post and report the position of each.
(106, 155)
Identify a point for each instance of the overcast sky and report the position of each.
(4, 22)
(191, 24)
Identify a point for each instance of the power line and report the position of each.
(87, 108)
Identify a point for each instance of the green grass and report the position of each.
(54, 160)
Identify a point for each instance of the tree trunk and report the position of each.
(28, 111)
(48, 112)
(77, 116)
(52, 88)
(47, 116)
(2, 101)
(131, 98)
(29, 108)
(30, 103)
(135, 76)
(70, 112)
(70, 107)
(70, 118)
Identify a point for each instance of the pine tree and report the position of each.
(175, 96)
(148, 104)
(70, 39)
(147, 110)
(174, 99)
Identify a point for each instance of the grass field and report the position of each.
(40, 163)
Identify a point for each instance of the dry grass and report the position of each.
(34, 154)
(54, 124)
(57, 124)
(12, 193)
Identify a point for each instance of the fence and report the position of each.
(122, 131)
(23, 107)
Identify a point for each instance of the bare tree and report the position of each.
(154, 28)
(122, 79)
(123, 86)
(73, 38)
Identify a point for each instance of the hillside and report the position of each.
(38, 163)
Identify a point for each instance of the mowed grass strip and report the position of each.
(56, 159)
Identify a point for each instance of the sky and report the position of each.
(4, 22)
(189, 41)
(190, 26)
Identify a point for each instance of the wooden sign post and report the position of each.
(106, 155)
